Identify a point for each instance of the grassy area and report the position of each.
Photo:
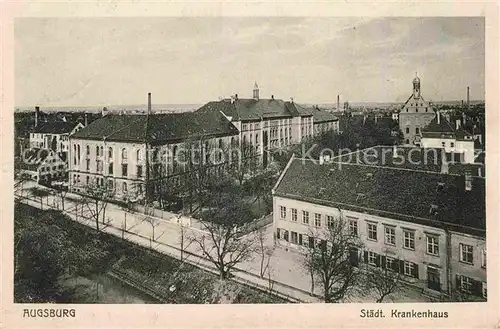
(60, 259)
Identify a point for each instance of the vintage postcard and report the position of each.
(321, 165)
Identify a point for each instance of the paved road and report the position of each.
(285, 268)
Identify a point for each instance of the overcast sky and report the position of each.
(113, 61)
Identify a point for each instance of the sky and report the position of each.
(117, 61)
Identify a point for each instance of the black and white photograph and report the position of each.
(250, 160)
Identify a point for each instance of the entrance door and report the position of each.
(433, 278)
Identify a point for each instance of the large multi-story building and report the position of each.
(428, 226)
(415, 114)
(120, 150)
(42, 165)
(324, 121)
(268, 123)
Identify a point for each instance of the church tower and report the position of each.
(256, 91)
(416, 87)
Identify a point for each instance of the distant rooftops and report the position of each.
(389, 192)
(441, 127)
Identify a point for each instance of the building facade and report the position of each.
(126, 152)
(43, 165)
(437, 245)
(270, 123)
(441, 134)
(415, 114)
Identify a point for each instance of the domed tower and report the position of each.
(256, 91)
(416, 87)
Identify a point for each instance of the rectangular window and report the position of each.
(301, 239)
(353, 227)
(390, 263)
(409, 269)
(110, 169)
(294, 238)
(285, 235)
(390, 235)
(88, 164)
(372, 258)
(483, 259)
(282, 212)
(305, 217)
(294, 215)
(317, 220)
(465, 284)
(466, 253)
(409, 240)
(329, 221)
(372, 231)
(139, 171)
(124, 170)
(99, 165)
(311, 242)
(452, 144)
(432, 245)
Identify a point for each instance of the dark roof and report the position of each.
(407, 157)
(55, 127)
(162, 128)
(442, 129)
(322, 116)
(389, 192)
(252, 109)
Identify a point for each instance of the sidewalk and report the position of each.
(289, 277)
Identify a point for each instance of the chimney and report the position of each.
(468, 99)
(438, 117)
(37, 113)
(236, 97)
(272, 97)
(291, 100)
(232, 99)
(104, 111)
(457, 124)
(149, 103)
(338, 102)
(468, 180)
(86, 120)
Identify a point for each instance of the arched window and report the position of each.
(233, 141)
(139, 155)
(256, 138)
(110, 153)
(78, 156)
(174, 158)
(407, 141)
(74, 154)
(124, 188)
(88, 150)
(102, 151)
(97, 151)
(407, 130)
(124, 155)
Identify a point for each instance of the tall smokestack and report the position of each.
(338, 102)
(468, 99)
(149, 103)
(86, 119)
(37, 113)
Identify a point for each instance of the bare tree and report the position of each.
(96, 197)
(385, 280)
(61, 190)
(331, 260)
(40, 193)
(154, 222)
(244, 161)
(224, 244)
(265, 252)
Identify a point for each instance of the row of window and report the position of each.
(470, 286)
(54, 168)
(100, 181)
(408, 242)
(370, 257)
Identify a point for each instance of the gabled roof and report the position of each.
(322, 116)
(162, 128)
(252, 109)
(405, 195)
(55, 127)
(443, 127)
(32, 158)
